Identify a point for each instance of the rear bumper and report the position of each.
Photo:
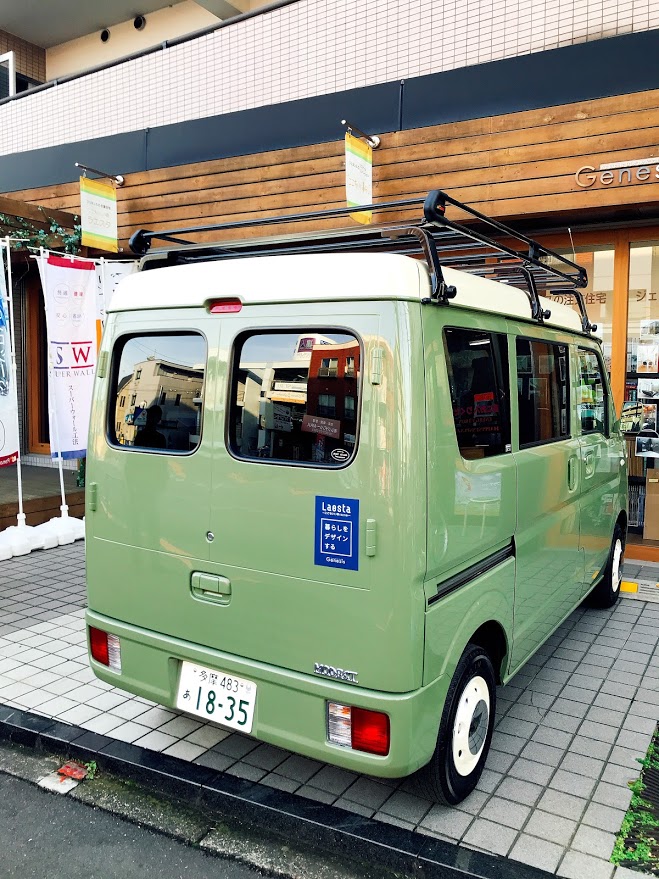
(290, 709)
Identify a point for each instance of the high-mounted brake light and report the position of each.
(105, 648)
(358, 728)
(225, 306)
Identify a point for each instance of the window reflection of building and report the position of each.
(175, 387)
(300, 409)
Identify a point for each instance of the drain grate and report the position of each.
(637, 845)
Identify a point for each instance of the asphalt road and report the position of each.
(44, 834)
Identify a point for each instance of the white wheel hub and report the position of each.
(616, 565)
(470, 726)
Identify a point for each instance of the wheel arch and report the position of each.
(492, 638)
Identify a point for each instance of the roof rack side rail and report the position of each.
(142, 238)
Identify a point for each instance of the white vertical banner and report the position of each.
(108, 275)
(8, 395)
(69, 288)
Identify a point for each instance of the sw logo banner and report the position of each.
(69, 288)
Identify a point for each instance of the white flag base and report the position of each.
(20, 539)
(6, 551)
(64, 529)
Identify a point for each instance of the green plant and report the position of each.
(34, 235)
(92, 769)
(637, 842)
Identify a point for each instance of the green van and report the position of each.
(339, 487)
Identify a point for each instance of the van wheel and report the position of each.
(465, 731)
(607, 591)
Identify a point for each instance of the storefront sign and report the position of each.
(300, 387)
(98, 214)
(281, 417)
(619, 173)
(8, 397)
(288, 397)
(323, 426)
(70, 301)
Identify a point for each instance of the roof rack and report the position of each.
(498, 252)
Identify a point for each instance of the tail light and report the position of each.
(358, 728)
(105, 648)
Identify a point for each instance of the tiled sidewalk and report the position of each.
(570, 725)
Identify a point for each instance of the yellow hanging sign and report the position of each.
(359, 177)
(98, 214)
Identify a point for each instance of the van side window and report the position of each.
(592, 403)
(152, 371)
(477, 365)
(542, 391)
(295, 397)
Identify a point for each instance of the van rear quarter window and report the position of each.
(156, 403)
(477, 366)
(295, 397)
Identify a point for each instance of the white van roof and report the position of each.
(321, 277)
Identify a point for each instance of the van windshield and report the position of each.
(295, 397)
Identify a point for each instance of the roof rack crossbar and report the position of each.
(434, 209)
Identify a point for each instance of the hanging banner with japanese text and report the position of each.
(108, 275)
(69, 288)
(98, 214)
(8, 396)
(359, 177)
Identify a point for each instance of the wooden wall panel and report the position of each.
(520, 164)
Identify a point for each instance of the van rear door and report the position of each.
(149, 473)
(309, 485)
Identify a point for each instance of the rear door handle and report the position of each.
(572, 470)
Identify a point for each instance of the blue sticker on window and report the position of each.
(337, 533)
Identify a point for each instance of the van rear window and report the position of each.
(295, 397)
(158, 387)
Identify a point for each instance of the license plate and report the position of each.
(216, 695)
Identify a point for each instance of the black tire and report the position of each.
(460, 756)
(607, 591)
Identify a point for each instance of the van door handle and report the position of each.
(572, 463)
(211, 587)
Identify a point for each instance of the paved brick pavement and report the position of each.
(570, 726)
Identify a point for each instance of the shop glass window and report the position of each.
(592, 401)
(542, 391)
(477, 366)
(598, 295)
(152, 370)
(289, 393)
(639, 418)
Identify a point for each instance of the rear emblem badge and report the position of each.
(339, 674)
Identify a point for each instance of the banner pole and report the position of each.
(51, 411)
(20, 539)
(14, 372)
